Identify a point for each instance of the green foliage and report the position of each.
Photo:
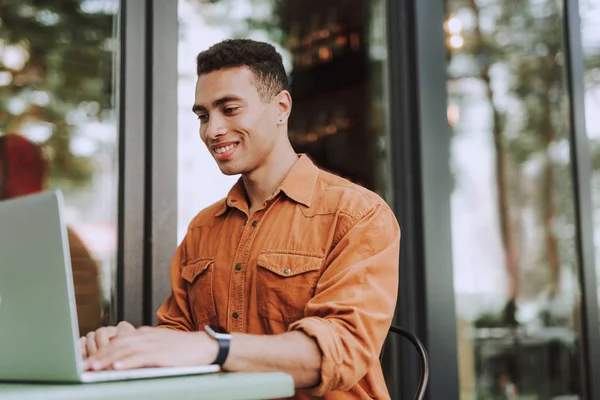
(219, 12)
(69, 56)
(489, 320)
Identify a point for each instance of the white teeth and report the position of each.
(220, 150)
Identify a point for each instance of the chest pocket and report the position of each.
(285, 283)
(199, 277)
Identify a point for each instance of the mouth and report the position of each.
(224, 151)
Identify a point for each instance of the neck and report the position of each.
(263, 181)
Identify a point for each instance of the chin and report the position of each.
(230, 169)
(230, 172)
(235, 166)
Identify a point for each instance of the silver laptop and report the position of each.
(38, 317)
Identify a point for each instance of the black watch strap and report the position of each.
(224, 341)
(223, 351)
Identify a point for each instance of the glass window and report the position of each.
(590, 38)
(335, 54)
(58, 129)
(512, 207)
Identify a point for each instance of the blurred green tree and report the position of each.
(517, 48)
(56, 62)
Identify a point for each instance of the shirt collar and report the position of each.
(299, 185)
(236, 195)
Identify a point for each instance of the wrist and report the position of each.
(222, 342)
(212, 348)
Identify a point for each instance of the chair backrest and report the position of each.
(424, 378)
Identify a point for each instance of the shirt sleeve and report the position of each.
(175, 312)
(354, 302)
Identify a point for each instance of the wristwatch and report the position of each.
(224, 340)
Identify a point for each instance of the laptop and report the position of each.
(38, 319)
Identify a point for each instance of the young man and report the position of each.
(298, 265)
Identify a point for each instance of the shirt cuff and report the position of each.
(323, 334)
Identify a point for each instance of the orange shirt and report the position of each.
(321, 255)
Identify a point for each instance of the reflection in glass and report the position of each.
(515, 267)
(590, 38)
(335, 55)
(58, 129)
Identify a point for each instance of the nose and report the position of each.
(215, 127)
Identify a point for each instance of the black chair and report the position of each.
(424, 378)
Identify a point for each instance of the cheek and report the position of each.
(260, 126)
(246, 122)
(202, 133)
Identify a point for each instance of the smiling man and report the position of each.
(296, 270)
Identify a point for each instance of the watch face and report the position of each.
(223, 336)
(219, 329)
(210, 331)
(216, 334)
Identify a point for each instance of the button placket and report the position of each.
(238, 278)
(237, 285)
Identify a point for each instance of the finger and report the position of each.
(104, 336)
(83, 345)
(119, 348)
(91, 343)
(138, 360)
(124, 328)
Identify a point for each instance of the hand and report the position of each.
(96, 340)
(155, 347)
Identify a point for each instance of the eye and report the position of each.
(202, 117)
(230, 110)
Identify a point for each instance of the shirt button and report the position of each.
(255, 224)
(235, 315)
(287, 271)
(238, 267)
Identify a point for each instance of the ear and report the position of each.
(283, 100)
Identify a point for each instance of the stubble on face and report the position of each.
(250, 126)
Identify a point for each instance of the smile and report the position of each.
(221, 150)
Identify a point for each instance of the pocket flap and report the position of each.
(289, 264)
(191, 271)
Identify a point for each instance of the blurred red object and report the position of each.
(23, 166)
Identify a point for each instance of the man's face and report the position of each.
(239, 129)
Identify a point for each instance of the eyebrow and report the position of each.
(217, 103)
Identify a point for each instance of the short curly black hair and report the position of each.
(261, 58)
